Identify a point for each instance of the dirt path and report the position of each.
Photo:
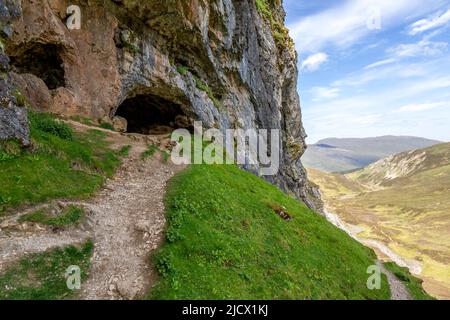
(129, 222)
(398, 289)
(125, 220)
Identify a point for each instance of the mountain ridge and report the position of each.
(348, 154)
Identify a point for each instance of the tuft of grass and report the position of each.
(205, 88)
(83, 120)
(56, 166)
(225, 242)
(107, 126)
(150, 152)
(132, 48)
(20, 98)
(42, 276)
(124, 151)
(413, 284)
(70, 215)
(165, 155)
(182, 70)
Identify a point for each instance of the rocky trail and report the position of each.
(125, 220)
(398, 289)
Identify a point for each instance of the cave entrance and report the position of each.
(150, 114)
(44, 61)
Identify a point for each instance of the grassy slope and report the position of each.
(55, 167)
(42, 276)
(61, 164)
(410, 214)
(224, 241)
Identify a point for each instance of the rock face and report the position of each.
(13, 115)
(223, 62)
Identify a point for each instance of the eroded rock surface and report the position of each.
(214, 61)
(13, 115)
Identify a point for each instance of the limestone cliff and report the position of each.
(13, 116)
(227, 63)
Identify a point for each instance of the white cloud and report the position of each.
(421, 48)
(380, 63)
(347, 22)
(388, 71)
(320, 93)
(314, 61)
(436, 21)
(420, 107)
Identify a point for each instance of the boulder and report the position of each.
(120, 124)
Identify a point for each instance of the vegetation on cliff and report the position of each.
(279, 31)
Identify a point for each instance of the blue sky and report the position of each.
(373, 67)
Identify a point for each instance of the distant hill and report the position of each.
(402, 201)
(347, 154)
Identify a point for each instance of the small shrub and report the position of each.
(163, 265)
(45, 123)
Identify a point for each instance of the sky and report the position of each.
(373, 67)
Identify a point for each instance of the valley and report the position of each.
(399, 206)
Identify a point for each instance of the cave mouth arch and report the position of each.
(44, 61)
(152, 114)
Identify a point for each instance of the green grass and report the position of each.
(84, 120)
(413, 284)
(124, 151)
(263, 7)
(150, 152)
(61, 164)
(42, 276)
(279, 31)
(224, 241)
(70, 215)
(165, 155)
(107, 126)
(182, 70)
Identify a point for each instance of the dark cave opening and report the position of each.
(150, 114)
(44, 61)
